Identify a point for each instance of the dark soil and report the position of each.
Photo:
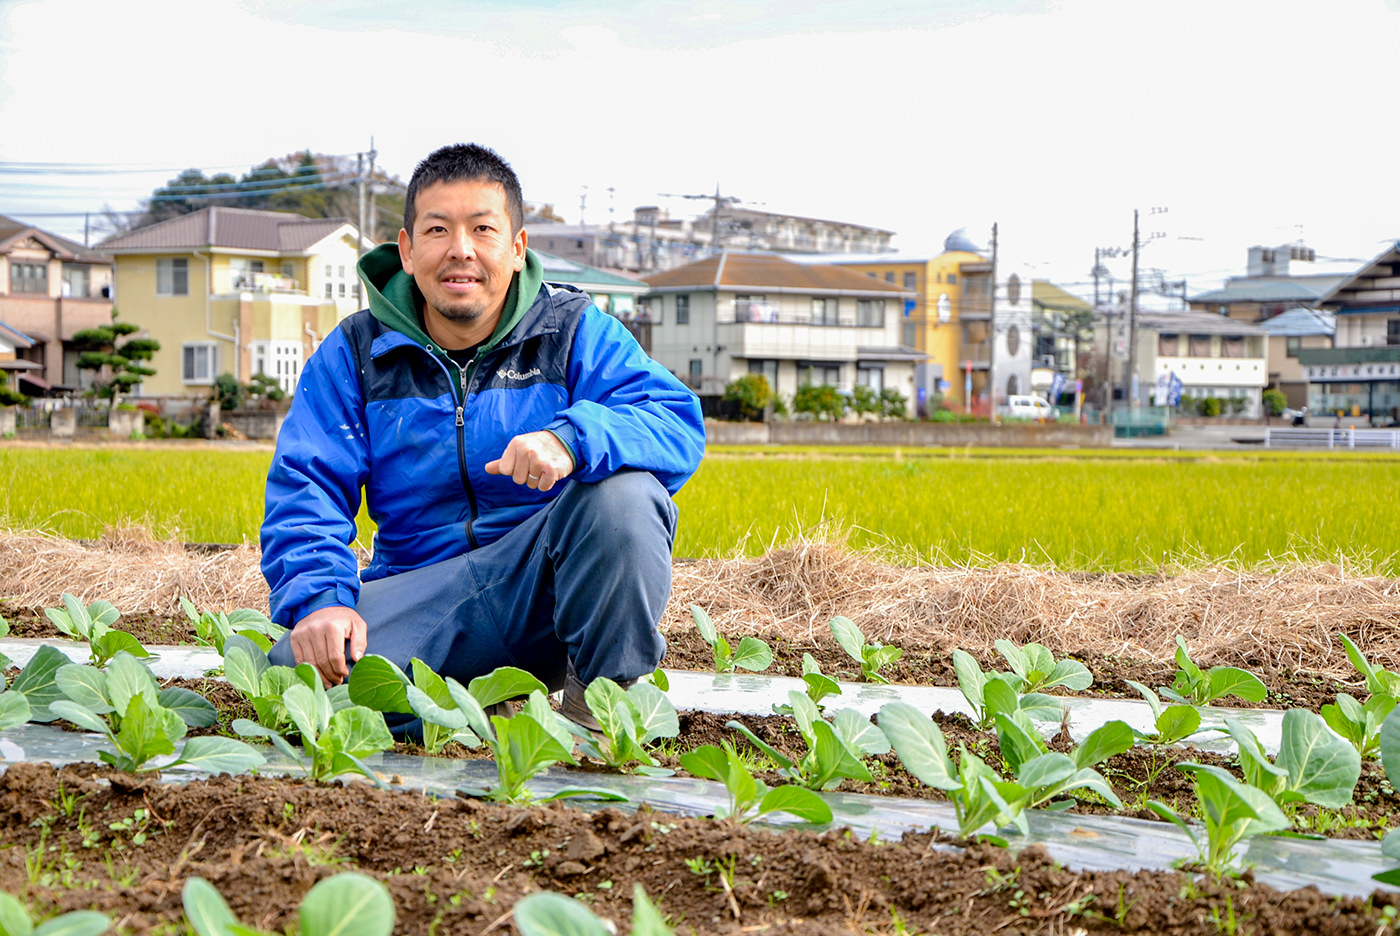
(458, 866)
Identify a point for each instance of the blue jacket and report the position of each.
(380, 407)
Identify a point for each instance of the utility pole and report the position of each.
(992, 327)
(372, 153)
(360, 184)
(714, 223)
(1132, 319)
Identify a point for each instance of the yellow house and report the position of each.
(233, 290)
(950, 316)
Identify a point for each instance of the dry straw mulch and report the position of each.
(1284, 616)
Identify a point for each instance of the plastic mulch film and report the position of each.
(1085, 842)
(165, 662)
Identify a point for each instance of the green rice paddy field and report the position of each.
(1101, 511)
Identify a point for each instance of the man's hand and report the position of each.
(536, 460)
(319, 639)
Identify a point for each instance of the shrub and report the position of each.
(893, 403)
(10, 397)
(1275, 402)
(943, 416)
(1208, 406)
(751, 394)
(822, 402)
(1237, 405)
(228, 391)
(865, 400)
(265, 387)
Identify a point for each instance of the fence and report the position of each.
(39, 414)
(1373, 439)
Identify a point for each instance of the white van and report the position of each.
(1022, 406)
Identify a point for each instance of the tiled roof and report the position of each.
(732, 270)
(561, 270)
(15, 336)
(1196, 323)
(1296, 323)
(1246, 291)
(12, 231)
(244, 228)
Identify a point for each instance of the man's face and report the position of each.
(462, 253)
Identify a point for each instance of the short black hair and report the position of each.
(465, 161)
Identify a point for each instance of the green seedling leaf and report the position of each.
(753, 655)
(971, 682)
(707, 762)
(850, 637)
(205, 907)
(661, 680)
(1018, 740)
(857, 731)
(875, 659)
(357, 731)
(1041, 707)
(14, 918)
(127, 679)
(194, 710)
(244, 663)
(503, 683)
(1321, 767)
(146, 732)
(1379, 681)
(1071, 674)
(38, 681)
(1230, 681)
(1108, 740)
(347, 904)
(75, 713)
(778, 758)
(220, 755)
(85, 685)
(704, 625)
(523, 747)
(377, 683)
(646, 919)
(113, 642)
(1001, 698)
(804, 804)
(549, 914)
(309, 711)
(76, 923)
(14, 710)
(919, 744)
(1178, 722)
(659, 718)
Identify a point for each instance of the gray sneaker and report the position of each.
(503, 709)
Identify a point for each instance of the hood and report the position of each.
(394, 298)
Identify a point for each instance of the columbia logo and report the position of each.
(508, 374)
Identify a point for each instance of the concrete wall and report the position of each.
(1006, 435)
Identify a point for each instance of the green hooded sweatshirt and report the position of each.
(396, 301)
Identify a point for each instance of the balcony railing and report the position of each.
(265, 282)
(768, 313)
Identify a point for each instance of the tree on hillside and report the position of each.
(115, 363)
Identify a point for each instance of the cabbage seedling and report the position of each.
(1170, 724)
(549, 914)
(1313, 764)
(978, 794)
(14, 919)
(1379, 681)
(989, 693)
(37, 682)
(123, 703)
(93, 623)
(834, 750)
(751, 654)
(248, 670)
(818, 684)
(377, 682)
(1233, 812)
(344, 903)
(750, 798)
(872, 657)
(1191, 686)
(1038, 669)
(1359, 725)
(1390, 760)
(1047, 775)
(335, 739)
(14, 707)
(213, 629)
(630, 719)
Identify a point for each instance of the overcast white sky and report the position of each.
(1251, 122)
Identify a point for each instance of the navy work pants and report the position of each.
(584, 579)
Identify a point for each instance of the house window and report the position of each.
(818, 373)
(911, 280)
(952, 279)
(173, 277)
(889, 277)
(1168, 345)
(753, 309)
(870, 313)
(682, 310)
(1232, 346)
(29, 277)
(870, 376)
(76, 282)
(199, 361)
(1392, 332)
(341, 273)
(823, 311)
(910, 337)
(330, 290)
(279, 359)
(697, 367)
(1291, 345)
(329, 271)
(767, 369)
(1199, 346)
(289, 269)
(342, 289)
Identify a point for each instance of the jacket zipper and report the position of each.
(463, 372)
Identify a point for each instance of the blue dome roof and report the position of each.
(958, 240)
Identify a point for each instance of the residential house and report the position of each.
(1063, 327)
(949, 319)
(235, 290)
(1276, 280)
(50, 289)
(1360, 377)
(756, 313)
(653, 241)
(1289, 333)
(1213, 356)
